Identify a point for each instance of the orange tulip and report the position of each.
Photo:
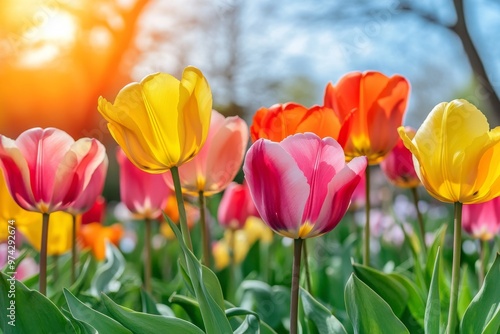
(370, 107)
(282, 120)
(94, 236)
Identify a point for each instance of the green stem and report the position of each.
(43, 254)
(73, 250)
(366, 250)
(455, 273)
(306, 265)
(483, 250)
(147, 254)
(232, 265)
(205, 231)
(420, 219)
(182, 210)
(294, 293)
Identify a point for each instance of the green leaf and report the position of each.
(319, 315)
(272, 304)
(393, 292)
(433, 307)
(80, 326)
(464, 293)
(431, 254)
(212, 310)
(148, 304)
(143, 323)
(101, 322)
(28, 310)
(191, 307)
(416, 303)
(368, 312)
(106, 276)
(249, 326)
(483, 313)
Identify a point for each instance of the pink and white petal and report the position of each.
(43, 150)
(278, 187)
(92, 190)
(340, 190)
(16, 173)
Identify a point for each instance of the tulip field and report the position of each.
(334, 218)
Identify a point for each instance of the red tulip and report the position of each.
(236, 206)
(144, 194)
(96, 213)
(301, 186)
(370, 108)
(398, 164)
(220, 158)
(482, 221)
(47, 171)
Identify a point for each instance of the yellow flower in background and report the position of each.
(60, 232)
(161, 122)
(455, 153)
(10, 210)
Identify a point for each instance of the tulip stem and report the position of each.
(419, 218)
(232, 265)
(483, 251)
(147, 264)
(366, 250)
(294, 293)
(306, 265)
(182, 209)
(55, 271)
(73, 250)
(43, 254)
(455, 273)
(205, 230)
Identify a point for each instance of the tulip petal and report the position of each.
(279, 188)
(195, 101)
(319, 160)
(340, 190)
(226, 154)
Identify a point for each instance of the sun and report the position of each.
(45, 32)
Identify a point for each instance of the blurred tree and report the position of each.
(58, 56)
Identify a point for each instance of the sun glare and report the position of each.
(51, 32)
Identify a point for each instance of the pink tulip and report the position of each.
(398, 165)
(144, 194)
(482, 221)
(236, 206)
(47, 171)
(217, 163)
(301, 186)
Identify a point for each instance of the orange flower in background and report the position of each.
(370, 107)
(94, 236)
(282, 120)
(172, 212)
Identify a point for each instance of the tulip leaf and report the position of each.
(148, 303)
(272, 304)
(483, 313)
(143, 323)
(80, 326)
(416, 303)
(393, 292)
(106, 276)
(431, 254)
(249, 326)
(433, 308)
(191, 307)
(368, 312)
(206, 287)
(464, 293)
(238, 312)
(28, 310)
(101, 322)
(319, 315)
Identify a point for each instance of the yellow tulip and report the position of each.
(161, 122)
(455, 153)
(11, 211)
(60, 232)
